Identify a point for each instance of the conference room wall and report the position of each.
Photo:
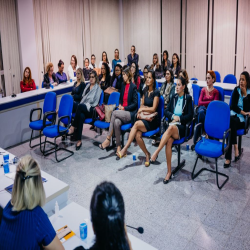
(10, 49)
(142, 29)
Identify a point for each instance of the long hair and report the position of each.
(107, 60)
(28, 191)
(107, 215)
(107, 77)
(184, 83)
(29, 80)
(178, 60)
(48, 66)
(136, 70)
(82, 75)
(126, 70)
(114, 76)
(74, 59)
(93, 72)
(171, 73)
(163, 61)
(118, 52)
(185, 75)
(150, 71)
(246, 74)
(157, 64)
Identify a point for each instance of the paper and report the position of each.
(64, 233)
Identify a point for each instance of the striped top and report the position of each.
(27, 229)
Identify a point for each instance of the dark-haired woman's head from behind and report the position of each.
(183, 73)
(181, 86)
(107, 215)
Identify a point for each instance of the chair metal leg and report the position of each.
(210, 170)
(180, 164)
(239, 145)
(45, 153)
(31, 138)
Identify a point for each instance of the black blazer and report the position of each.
(187, 109)
(119, 83)
(132, 100)
(235, 99)
(78, 91)
(46, 81)
(135, 59)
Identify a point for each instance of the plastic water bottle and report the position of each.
(56, 209)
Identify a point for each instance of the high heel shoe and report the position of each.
(166, 181)
(100, 145)
(147, 163)
(78, 147)
(236, 158)
(227, 165)
(152, 160)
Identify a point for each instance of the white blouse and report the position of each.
(71, 73)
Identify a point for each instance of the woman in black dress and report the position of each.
(78, 88)
(150, 102)
(180, 112)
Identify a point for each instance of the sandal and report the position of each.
(119, 156)
(152, 160)
(100, 145)
(147, 163)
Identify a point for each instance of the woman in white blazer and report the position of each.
(72, 68)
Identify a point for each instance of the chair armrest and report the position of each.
(31, 113)
(197, 132)
(45, 117)
(227, 134)
(61, 132)
(196, 111)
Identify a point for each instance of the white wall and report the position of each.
(27, 39)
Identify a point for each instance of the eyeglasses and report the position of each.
(91, 77)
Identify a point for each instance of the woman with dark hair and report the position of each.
(126, 111)
(78, 89)
(72, 68)
(116, 60)
(175, 66)
(136, 79)
(179, 111)
(105, 60)
(207, 95)
(149, 104)
(165, 61)
(86, 69)
(155, 66)
(240, 107)
(116, 79)
(27, 84)
(143, 80)
(107, 211)
(183, 73)
(61, 76)
(168, 88)
(105, 80)
(90, 99)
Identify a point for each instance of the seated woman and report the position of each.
(90, 99)
(207, 95)
(183, 73)
(108, 219)
(105, 80)
(61, 76)
(179, 111)
(50, 77)
(150, 102)
(116, 79)
(27, 84)
(156, 65)
(78, 89)
(136, 79)
(116, 60)
(133, 57)
(72, 68)
(127, 109)
(175, 66)
(168, 88)
(86, 69)
(240, 107)
(143, 80)
(165, 61)
(105, 60)
(24, 224)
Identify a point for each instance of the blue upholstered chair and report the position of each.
(221, 93)
(55, 131)
(241, 132)
(217, 113)
(113, 99)
(196, 93)
(217, 74)
(49, 105)
(141, 73)
(230, 79)
(126, 127)
(156, 85)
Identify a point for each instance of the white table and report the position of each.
(55, 189)
(73, 215)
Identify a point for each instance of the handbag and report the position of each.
(110, 90)
(147, 116)
(100, 110)
(108, 111)
(159, 75)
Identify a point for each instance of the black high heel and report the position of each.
(78, 147)
(236, 158)
(152, 160)
(166, 181)
(100, 145)
(227, 165)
